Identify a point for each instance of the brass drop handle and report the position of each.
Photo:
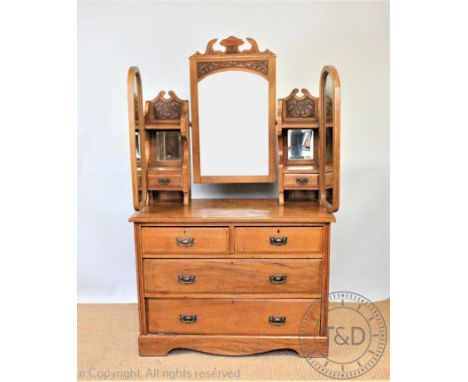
(302, 180)
(278, 240)
(186, 279)
(188, 318)
(281, 279)
(164, 181)
(277, 320)
(185, 241)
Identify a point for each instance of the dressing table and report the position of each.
(231, 276)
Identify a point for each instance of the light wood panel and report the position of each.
(238, 210)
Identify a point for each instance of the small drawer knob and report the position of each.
(164, 181)
(302, 180)
(188, 318)
(277, 320)
(278, 240)
(186, 279)
(280, 279)
(185, 241)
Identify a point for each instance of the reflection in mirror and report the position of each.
(329, 99)
(329, 89)
(136, 109)
(329, 124)
(135, 101)
(234, 124)
(329, 149)
(138, 149)
(169, 145)
(300, 144)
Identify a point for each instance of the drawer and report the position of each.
(279, 240)
(240, 317)
(232, 276)
(162, 181)
(184, 240)
(302, 181)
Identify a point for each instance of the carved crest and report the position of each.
(231, 45)
(235, 57)
(205, 68)
(164, 109)
(300, 107)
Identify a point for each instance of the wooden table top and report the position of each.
(233, 210)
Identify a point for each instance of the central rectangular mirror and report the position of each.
(233, 114)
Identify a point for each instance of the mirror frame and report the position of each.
(135, 75)
(330, 71)
(216, 61)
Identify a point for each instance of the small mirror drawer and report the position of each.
(180, 240)
(161, 181)
(301, 181)
(233, 276)
(279, 240)
(237, 317)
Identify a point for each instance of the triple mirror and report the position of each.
(233, 113)
(235, 129)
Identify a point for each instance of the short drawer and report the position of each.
(239, 317)
(233, 277)
(184, 240)
(162, 181)
(302, 181)
(279, 240)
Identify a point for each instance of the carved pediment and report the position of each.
(235, 58)
(231, 45)
(302, 107)
(164, 109)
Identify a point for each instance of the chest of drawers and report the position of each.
(233, 277)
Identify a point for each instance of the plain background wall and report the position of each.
(158, 37)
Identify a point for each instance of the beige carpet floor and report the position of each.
(108, 350)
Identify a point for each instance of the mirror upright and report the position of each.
(137, 144)
(330, 130)
(233, 113)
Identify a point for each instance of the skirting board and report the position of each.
(161, 345)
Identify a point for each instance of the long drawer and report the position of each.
(279, 239)
(239, 317)
(232, 276)
(184, 240)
